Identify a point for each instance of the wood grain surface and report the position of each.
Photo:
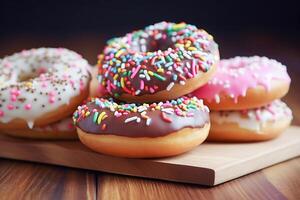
(208, 164)
(23, 180)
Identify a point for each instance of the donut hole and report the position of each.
(161, 44)
(25, 76)
(152, 44)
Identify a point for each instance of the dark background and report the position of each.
(240, 27)
(113, 17)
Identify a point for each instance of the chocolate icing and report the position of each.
(157, 127)
(153, 54)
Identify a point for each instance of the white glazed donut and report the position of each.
(250, 125)
(63, 129)
(41, 86)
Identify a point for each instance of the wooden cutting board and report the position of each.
(209, 164)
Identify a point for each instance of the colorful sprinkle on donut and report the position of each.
(254, 119)
(104, 116)
(38, 81)
(154, 59)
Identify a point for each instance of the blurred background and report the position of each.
(255, 27)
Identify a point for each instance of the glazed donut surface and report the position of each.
(41, 86)
(156, 64)
(250, 125)
(106, 117)
(245, 82)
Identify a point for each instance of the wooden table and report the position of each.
(38, 181)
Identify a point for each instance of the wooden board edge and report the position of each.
(282, 154)
(99, 162)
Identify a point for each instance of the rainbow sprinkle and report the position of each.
(134, 65)
(100, 109)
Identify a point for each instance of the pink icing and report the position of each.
(27, 106)
(236, 75)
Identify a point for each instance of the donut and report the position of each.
(142, 130)
(258, 124)
(162, 62)
(96, 89)
(64, 129)
(245, 82)
(41, 86)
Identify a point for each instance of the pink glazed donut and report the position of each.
(244, 83)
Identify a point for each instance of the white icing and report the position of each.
(30, 124)
(57, 76)
(254, 119)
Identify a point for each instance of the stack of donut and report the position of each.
(39, 91)
(145, 75)
(147, 96)
(244, 96)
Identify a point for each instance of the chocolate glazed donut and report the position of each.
(132, 130)
(162, 62)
